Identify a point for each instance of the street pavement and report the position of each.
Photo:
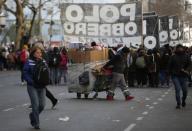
(153, 109)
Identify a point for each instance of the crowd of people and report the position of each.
(56, 58)
(144, 68)
(133, 67)
(150, 68)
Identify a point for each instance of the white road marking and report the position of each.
(147, 105)
(130, 127)
(9, 109)
(163, 96)
(139, 118)
(151, 107)
(132, 108)
(116, 120)
(64, 119)
(169, 90)
(147, 99)
(26, 104)
(145, 113)
(166, 93)
(155, 103)
(160, 99)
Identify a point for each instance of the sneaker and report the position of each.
(183, 104)
(37, 127)
(54, 103)
(127, 98)
(109, 98)
(30, 107)
(178, 107)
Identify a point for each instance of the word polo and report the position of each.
(97, 20)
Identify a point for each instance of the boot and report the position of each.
(109, 98)
(127, 98)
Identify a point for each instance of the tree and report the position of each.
(20, 23)
(20, 20)
(35, 11)
(2, 2)
(18, 13)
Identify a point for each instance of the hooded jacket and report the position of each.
(177, 63)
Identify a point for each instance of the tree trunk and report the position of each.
(20, 24)
(1, 3)
(32, 22)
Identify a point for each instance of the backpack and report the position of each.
(84, 78)
(41, 74)
(140, 62)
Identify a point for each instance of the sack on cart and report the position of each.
(84, 78)
(81, 82)
(103, 79)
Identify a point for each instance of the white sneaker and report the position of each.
(22, 83)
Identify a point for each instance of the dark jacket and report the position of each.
(28, 71)
(54, 59)
(164, 61)
(177, 63)
(118, 62)
(111, 54)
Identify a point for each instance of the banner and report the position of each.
(150, 31)
(163, 30)
(173, 30)
(109, 24)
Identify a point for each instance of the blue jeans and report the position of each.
(54, 75)
(180, 83)
(163, 77)
(37, 97)
(63, 73)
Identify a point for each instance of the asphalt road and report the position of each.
(153, 109)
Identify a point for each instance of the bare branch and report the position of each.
(41, 5)
(33, 8)
(9, 10)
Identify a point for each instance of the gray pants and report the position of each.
(118, 79)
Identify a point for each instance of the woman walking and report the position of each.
(36, 91)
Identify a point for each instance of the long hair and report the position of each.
(33, 50)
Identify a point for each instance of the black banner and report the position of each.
(163, 30)
(150, 31)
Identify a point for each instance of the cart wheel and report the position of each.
(78, 95)
(86, 96)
